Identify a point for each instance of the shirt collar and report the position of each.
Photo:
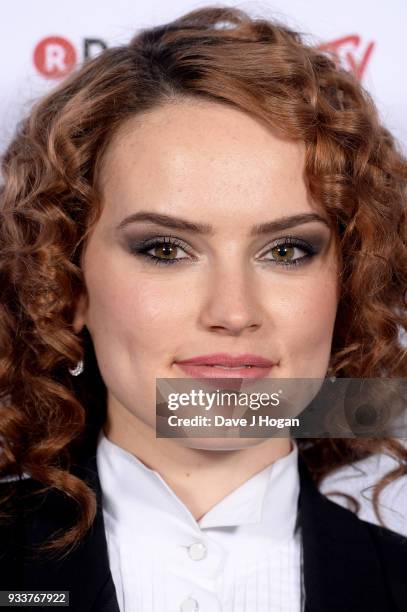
(270, 497)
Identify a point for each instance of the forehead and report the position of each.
(205, 155)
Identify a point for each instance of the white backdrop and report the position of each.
(42, 40)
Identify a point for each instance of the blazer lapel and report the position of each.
(341, 566)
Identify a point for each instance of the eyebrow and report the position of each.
(172, 222)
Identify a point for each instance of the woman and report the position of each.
(216, 187)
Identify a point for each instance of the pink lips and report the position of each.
(204, 366)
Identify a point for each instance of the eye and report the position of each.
(167, 250)
(163, 250)
(285, 252)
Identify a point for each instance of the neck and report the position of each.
(199, 477)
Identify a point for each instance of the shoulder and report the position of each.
(358, 480)
(28, 505)
(33, 515)
(392, 545)
(364, 563)
(372, 554)
(391, 550)
(12, 491)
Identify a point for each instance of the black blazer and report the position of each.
(349, 565)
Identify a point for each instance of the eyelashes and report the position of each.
(169, 244)
(283, 250)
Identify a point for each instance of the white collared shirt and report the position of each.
(244, 555)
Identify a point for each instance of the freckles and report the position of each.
(148, 306)
(318, 323)
(308, 309)
(159, 300)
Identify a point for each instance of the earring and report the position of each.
(78, 369)
(329, 375)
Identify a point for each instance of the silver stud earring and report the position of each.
(78, 369)
(331, 377)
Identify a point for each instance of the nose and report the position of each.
(231, 305)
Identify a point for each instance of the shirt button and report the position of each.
(197, 551)
(189, 605)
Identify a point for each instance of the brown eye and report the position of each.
(283, 252)
(290, 253)
(161, 250)
(165, 251)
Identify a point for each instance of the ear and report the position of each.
(81, 309)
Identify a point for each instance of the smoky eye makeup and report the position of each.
(289, 250)
(140, 245)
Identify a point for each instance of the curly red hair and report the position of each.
(50, 201)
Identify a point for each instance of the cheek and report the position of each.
(129, 310)
(307, 322)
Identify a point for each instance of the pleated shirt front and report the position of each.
(243, 555)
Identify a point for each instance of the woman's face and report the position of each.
(229, 289)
